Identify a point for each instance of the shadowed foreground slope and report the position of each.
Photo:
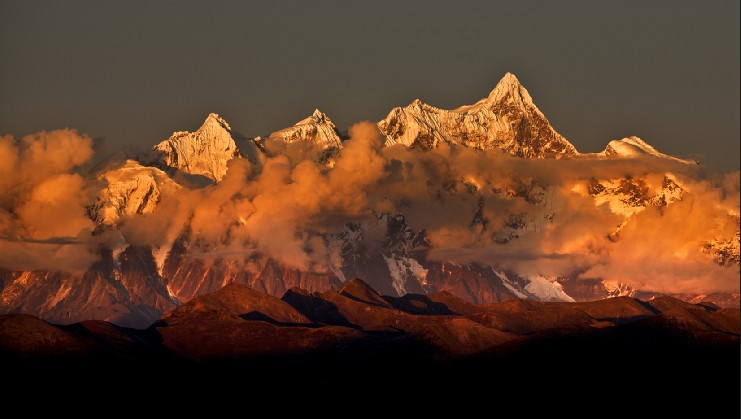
(354, 340)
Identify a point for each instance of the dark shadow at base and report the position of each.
(564, 374)
(256, 315)
(316, 309)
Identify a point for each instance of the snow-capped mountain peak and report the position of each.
(214, 121)
(509, 84)
(204, 152)
(634, 147)
(317, 117)
(129, 189)
(317, 128)
(507, 119)
(509, 90)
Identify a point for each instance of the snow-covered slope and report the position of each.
(129, 189)
(507, 119)
(317, 129)
(204, 152)
(634, 147)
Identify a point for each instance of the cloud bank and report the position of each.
(43, 221)
(486, 207)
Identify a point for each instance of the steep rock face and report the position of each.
(398, 265)
(204, 152)
(124, 289)
(189, 277)
(316, 129)
(507, 119)
(129, 190)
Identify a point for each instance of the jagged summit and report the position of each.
(214, 118)
(418, 105)
(510, 89)
(508, 81)
(204, 152)
(317, 128)
(213, 124)
(508, 92)
(507, 119)
(317, 117)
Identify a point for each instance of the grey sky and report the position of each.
(133, 72)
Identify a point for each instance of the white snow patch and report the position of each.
(617, 289)
(116, 252)
(417, 271)
(334, 257)
(402, 269)
(508, 284)
(160, 255)
(546, 288)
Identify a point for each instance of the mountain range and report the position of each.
(353, 341)
(394, 246)
(239, 322)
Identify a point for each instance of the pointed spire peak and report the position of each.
(416, 103)
(316, 128)
(510, 87)
(203, 152)
(319, 116)
(316, 117)
(510, 78)
(215, 119)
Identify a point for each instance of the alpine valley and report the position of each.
(486, 202)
